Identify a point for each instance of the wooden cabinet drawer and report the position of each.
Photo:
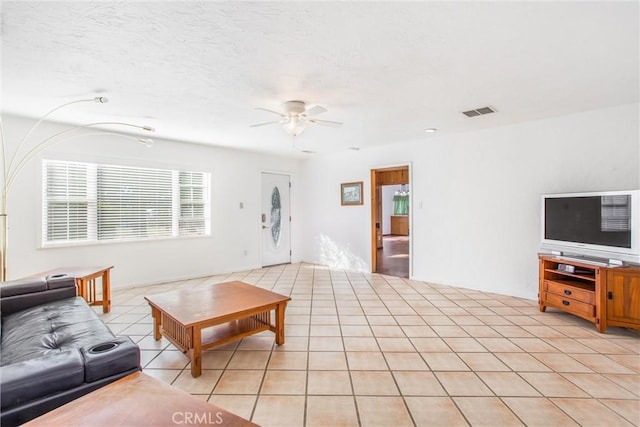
(570, 292)
(587, 311)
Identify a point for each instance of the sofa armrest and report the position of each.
(110, 358)
(24, 381)
(16, 295)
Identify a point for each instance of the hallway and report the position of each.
(393, 258)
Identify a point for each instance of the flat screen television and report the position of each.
(602, 224)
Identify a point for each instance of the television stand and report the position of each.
(593, 290)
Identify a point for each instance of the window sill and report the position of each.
(113, 242)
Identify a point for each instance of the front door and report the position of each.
(276, 222)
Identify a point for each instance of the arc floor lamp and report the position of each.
(11, 165)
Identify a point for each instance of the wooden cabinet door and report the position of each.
(623, 297)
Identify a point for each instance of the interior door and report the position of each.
(276, 219)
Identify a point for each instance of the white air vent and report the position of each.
(479, 111)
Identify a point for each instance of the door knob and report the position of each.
(264, 226)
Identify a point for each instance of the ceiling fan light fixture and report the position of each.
(295, 117)
(294, 127)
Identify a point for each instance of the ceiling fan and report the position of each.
(295, 117)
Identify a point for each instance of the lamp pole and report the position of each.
(17, 162)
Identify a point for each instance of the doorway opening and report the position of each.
(390, 233)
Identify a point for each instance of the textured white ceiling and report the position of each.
(388, 70)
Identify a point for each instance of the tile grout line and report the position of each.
(390, 293)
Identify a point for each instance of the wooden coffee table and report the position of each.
(204, 317)
(139, 400)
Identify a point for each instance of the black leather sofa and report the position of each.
(54, 348)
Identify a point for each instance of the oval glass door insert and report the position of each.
(276, 216)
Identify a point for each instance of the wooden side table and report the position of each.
(86, 283)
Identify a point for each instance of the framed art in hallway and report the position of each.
(351, 193)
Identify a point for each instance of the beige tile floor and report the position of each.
(373, 350)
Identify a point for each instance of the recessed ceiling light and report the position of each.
(308, 152)
(430, 130)
(354, 148)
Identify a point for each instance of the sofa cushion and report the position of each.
(23, 286)
(51, 328)
(42, 376)
(18, 295)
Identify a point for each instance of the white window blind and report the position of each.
(92, 202)
(193, 186)
(67, 202)
(133, 203)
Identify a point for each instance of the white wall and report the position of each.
(475, 201)
(235, 177)
(475, 196)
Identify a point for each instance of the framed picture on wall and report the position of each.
(351, 193)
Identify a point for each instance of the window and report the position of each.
(401, 201)
(67, 202)
(193, 186)
(615, 213)
(84, 202)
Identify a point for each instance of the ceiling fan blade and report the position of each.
(270, 111)
(265, 123)
(324, 122)
(315, 110)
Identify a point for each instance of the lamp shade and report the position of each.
(294, 126)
